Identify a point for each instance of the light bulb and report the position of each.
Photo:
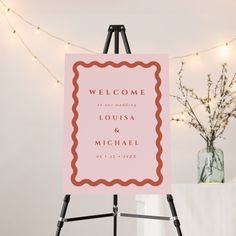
(211, 103)
(13, 32)
(8, 11)
(37, 30)
(56, 83)
(197, 56)
(182, 115)
(225, 49)
(67, 45)
(34, 58)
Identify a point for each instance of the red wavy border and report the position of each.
(75, 126)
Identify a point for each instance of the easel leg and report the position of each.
(174, 214)
(60, 222)
(115, 210)
(125, 40)
(116, 42)
(108, 40)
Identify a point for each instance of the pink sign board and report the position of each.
(117, 124)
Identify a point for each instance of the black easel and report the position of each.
(117, 29)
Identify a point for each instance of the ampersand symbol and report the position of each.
(116, 130)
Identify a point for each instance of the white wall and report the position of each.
(31, 108)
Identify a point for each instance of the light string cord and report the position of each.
(68, 43)
(15, 32)
(57, 81)
(204, 50)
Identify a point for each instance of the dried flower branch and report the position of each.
(219, 104)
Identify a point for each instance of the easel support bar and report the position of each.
(146, 216)
(88, 217)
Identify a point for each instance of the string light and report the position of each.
(225, 49)
(37, 30)
(226, 46)
(92, 51)
(34, 58)
(197, 56)
(209, 102)
(182, 115)
(56, 83)
(44, 30)
(8, 11)
(67, 45)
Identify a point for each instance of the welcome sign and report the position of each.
(116, 124)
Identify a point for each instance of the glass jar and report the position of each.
(210, 165)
